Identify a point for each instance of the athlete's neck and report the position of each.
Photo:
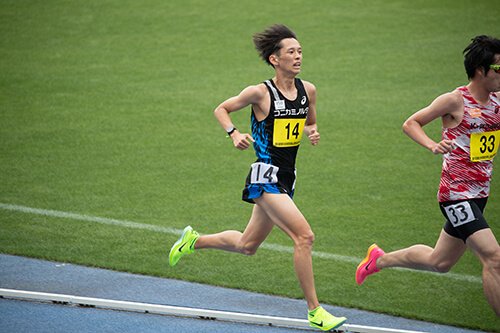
(479, 93)
(286, 86)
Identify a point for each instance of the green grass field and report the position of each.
(106, 110)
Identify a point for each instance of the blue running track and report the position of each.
(18, 315)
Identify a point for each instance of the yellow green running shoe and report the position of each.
(320, 318)
(185, 245)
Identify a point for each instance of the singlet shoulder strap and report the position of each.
(273, 90)
(494, 98)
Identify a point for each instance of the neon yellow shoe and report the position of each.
(320, 318)
(185, 245)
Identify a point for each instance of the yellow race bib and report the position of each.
(484, 146)
(288, 131)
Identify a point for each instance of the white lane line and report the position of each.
(178, 232)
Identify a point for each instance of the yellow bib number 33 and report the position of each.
(484, 146)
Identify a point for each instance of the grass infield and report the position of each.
(106, 110)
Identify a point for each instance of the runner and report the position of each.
(470, 138)
(282, 109)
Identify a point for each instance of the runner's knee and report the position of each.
(248, 249)
(305, 239)
(439, 264)
(442, 267)
(493, 260)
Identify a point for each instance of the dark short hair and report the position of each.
(480, 53)
(268, 42)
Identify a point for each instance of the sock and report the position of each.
(313, 312)
(193, 242)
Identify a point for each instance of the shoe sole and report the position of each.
(331, 328)
(338, 325)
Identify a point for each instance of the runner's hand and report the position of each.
(443, 147)
(241, 141)
(314, 137)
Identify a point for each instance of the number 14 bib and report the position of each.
(288, 131)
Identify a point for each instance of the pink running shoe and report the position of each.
(367, 266)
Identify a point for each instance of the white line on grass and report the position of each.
(150, 227)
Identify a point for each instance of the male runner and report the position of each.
(282, 109)
(470, 138)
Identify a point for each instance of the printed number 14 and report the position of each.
(295, 131)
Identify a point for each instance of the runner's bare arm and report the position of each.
(248, 96)
(311, 128)
(448, 107)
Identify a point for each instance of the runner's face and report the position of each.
(290, 58)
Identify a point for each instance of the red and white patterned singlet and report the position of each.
(467, 169)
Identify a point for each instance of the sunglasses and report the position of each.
(496, 68)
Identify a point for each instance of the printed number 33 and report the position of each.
(460, 213)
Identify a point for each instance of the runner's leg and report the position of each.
(258, 228)
(441, 258)
(283, 212)
(484, 245)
